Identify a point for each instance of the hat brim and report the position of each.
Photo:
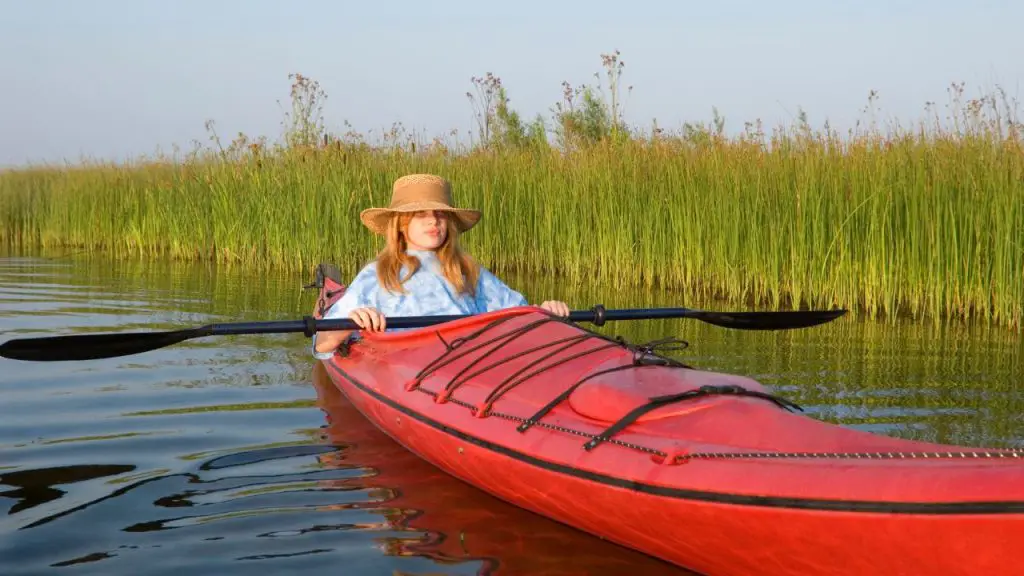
(376, 219)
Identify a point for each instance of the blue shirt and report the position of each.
(428, 293)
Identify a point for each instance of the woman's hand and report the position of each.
(556, 307)
(369, 319)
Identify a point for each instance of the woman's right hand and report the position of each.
(369, 319)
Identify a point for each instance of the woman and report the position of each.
(421, 271)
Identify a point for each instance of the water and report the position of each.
(229, 455)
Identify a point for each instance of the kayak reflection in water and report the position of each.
(421, 271)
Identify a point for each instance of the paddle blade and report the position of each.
(783, 320)
(94, 346)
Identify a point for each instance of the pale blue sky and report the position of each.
(117, 78)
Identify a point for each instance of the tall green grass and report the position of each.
(926, 221)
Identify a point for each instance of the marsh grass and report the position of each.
(926, 221)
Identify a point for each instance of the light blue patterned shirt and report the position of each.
(428, 293)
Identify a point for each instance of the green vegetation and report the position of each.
(925, 221)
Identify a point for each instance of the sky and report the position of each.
(117, 79)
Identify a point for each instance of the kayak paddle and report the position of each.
(95, 346)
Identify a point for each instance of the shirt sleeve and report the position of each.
(492, 294)
(362, 292)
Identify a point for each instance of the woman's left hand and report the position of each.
(556, 307)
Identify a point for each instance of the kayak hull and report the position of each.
(683, 482)
(707, 537)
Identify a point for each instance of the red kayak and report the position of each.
(704, 470)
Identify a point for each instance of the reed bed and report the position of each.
(921, 222)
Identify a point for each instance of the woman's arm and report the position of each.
(493, 294)
(369, 319)
(359, 303)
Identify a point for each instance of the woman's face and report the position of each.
(427, 230)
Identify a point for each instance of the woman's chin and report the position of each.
(430, 244)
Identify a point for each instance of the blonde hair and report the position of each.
(458, 267)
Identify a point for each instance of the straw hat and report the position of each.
(417, 192)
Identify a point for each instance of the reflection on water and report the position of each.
(229, 454)
(37, 486)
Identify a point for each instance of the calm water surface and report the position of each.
(234, 455)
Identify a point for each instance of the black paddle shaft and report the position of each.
(95, 346)
(598, 316)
